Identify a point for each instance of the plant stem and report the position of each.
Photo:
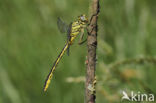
(91, 46)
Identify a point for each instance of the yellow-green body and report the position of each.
(76, 28)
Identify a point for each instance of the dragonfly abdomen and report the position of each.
(50, 75)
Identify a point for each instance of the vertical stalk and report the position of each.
(91, 58)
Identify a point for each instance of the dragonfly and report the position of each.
(73, 29)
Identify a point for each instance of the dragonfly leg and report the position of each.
(81, 38)
(81, 42)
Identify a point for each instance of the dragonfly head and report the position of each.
(83, 18)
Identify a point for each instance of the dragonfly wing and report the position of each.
(62, 26)
(68, 37)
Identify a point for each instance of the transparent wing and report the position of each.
(68, 37)
(62, 26)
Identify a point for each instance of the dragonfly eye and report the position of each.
(83, 18)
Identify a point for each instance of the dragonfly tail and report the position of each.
(50, 75)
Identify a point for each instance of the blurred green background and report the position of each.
(30, 42)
